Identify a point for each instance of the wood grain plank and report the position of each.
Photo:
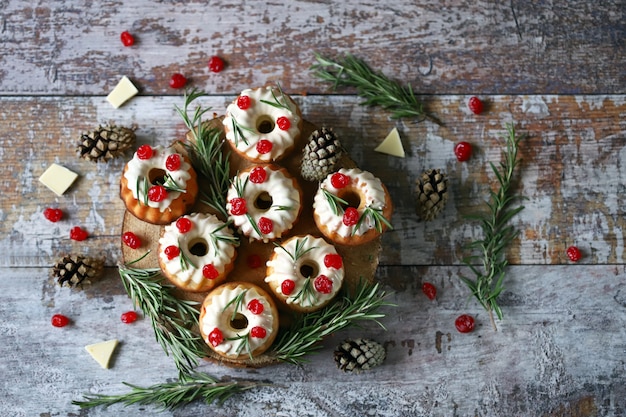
(452, 47)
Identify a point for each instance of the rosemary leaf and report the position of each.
(497, 234)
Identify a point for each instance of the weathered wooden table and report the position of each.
(556, 70)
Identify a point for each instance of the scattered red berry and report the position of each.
(333, 260)
(254, 261)
(429, 290)
(53, 214)
(339, 180)
(258, 332)
(475, 105)
(127, 39)
(145, 152)
(463, 151)
(464, 323)
(264, 146)
(216, 64)
(183, 224)
(157, 193)
(573, 253)
(350, 216)
(283, 123)
(323, 284)
(238, 206)
(216, 337)
(258, 175)
(172, 163)
(209, 272)
(255, 306)
(287, 286)
(78, 233)
(244, 102)
(131, 240)
(178, 80)
(171, 252)
(59, 320)
(128, 317)
(266, 225)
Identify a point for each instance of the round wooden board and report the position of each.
(360, 261)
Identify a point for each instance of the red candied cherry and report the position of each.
(339, 180)
(464, 323)
(128, 317)
(238, 206)
(131, 240)
(172, 163)
(216, 64)
(266, 225)
(216, 337)
(350, 216)
(78, 233)
(244, 102)
(209, 272)
(184, 225)
(59, 320)
(254, 261)
(53, 214)
(264, 146)
(323, 284)
(127, 39)
(258, 332)
(287, 286)
(145, 152)
(573, 253)
(333, 260)
(172, 252)
(157, 193)
(283, 123)
(429, 290)
(255, 306)
(178, 80)
(475, 105)
(258, 175)
(463, 151)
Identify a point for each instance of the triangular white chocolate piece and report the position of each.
(102, 352)
(392, 145)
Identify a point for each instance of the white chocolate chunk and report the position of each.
(392, 145)
(102, 351)
(123, 91)
(58, 178)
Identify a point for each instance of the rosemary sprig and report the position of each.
(497, 235)
(244, 344)
(170, 184)
(309, 329)
(376, 88)
(336, 203)
(205, 153)
(171, 395)
(217, 237)
(306, 293)
(277, 103)
(237, 301)
(185, 262)
(171, 318)
(376, 215)
(240, 188)
(238, 131)
(298, 251)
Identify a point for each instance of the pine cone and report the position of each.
(73, 270)
(105, 143)
(321, 155)
(432, 193)
(359, 354)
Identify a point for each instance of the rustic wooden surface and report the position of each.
(557, 71)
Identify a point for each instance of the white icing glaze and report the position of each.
(219, 313)
(285, 267)
(249, 121)
(206, 228)
(283, 211)
(140, 168)
(366, 185)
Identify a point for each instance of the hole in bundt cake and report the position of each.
(308, 270)
(239, 322)
(265, 124)
(263, 201)
(198, 247)
(156, 176)
(352, 198)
